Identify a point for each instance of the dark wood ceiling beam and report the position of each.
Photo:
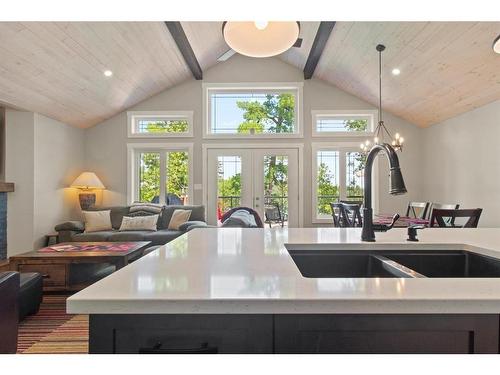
(324, 30)
(187, 52)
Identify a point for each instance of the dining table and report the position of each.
(402, 222)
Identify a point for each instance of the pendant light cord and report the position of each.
(380, 86)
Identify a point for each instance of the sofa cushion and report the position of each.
(131, 235)
(147, 222)
(96, 221)
(162, 236)
(101, 236)
(116, 214)
(178, 217)
(197, 214)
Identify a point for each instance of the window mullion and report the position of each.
(163, 176)
(342, 173)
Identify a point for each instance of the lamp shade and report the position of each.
(87, 180)
(260, 39)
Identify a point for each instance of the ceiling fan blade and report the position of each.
(226, 55)
(298, 43)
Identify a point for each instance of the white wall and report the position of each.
(43, 156)
(462, 164)
(105, 143)
(19, 166)
(59, 159)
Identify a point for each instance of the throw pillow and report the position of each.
(152, 208)
(139, 223)
(178, 217)
(97, 220)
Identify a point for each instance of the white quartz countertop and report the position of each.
(234, 270)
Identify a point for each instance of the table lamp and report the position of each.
(86, 182)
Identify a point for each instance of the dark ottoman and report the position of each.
(30, 294)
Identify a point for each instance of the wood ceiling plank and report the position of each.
(447, 68)
(298, 56)
(56, 68)
(207, 41)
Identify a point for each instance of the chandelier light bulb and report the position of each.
(367, 142)
(401, 140)
(261, 25)
(394, 143)
(396, 135)
(375, 140)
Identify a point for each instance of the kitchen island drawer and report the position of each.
(387, 334)
(181, 334)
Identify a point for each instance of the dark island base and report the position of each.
(294, 333)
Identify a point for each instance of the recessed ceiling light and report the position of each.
(496, 45)
(108, 73)
(396, 72)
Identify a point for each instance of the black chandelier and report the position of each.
(381, 131)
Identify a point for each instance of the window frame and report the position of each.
(133, 165)
(133, 116)
(343, 148)
(297, 87)
(372, 114)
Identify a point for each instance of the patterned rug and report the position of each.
(52, 331)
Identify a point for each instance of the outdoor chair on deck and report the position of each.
(273, 214)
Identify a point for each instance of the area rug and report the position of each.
(52, 331)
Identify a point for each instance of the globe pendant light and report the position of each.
(260, 38)
(381, 131)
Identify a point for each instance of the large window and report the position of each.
(160, 173)
(257, 111)
(145, 124)
(347, 123)
(337, 176)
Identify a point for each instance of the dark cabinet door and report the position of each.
(386, 334)
(178, 334)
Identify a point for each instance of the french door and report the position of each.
(263, 179)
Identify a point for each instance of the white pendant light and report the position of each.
(260, 38)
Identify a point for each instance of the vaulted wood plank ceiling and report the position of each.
(56, 68)
(447, 68)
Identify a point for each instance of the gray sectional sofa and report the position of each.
(74, 231)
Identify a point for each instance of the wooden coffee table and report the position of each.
(55, 262)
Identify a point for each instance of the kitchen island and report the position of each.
(239, 291)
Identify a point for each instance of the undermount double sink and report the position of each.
(394, 263)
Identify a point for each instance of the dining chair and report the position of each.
(441, 206)
(346, 215)
(445, 218)
(353, 213)
(338, 214)
(417, 210)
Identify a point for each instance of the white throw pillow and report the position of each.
(178, 217)
(97, 220)
(139, 223)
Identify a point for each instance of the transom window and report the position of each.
(256, 111)
(160, 124)
(338, 175)
(343, 122)
(160, 173)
